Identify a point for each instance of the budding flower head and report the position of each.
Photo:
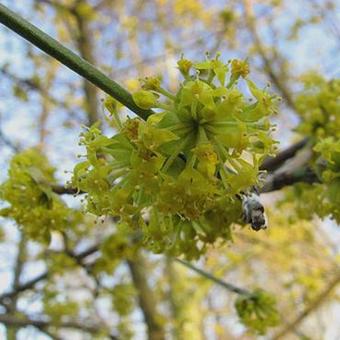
(151, 83)
(130, 128)
(205, 151)
(145, 99)
(207, 159)
(239, 68)
(184, 65)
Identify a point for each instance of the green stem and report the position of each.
(69, 59)
(174, 155)
(164, 106)
(191, 161)
(226, 285)
(194, 109)
(166, 93)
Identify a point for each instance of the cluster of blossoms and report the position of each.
(173, 181)
(175, 178)
(32, 204)
(319, 108)
(257, 311)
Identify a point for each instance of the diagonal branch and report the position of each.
(69, 59)
(272, 163)
(43, 276)
(280, 180)
(10, 320)
(146, 297)
(64, 190)
(28, 285)
(312, 307)
(220, 282)
(86, 48)
(31, 85)
(11, 307)
(250, 20)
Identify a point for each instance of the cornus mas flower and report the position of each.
(187, 163)
(257, 311)
(318, 106)
(31, 201)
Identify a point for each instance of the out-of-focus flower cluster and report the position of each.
(319, 108)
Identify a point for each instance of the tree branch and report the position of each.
(221, 283)
(31, 85)
(13, 321)
(147, 301)
(28, 285)
(6, 141)
(86, 48)
(309, 309)
(61, 190)
(272, 163)
(279, 180)
(55, 4)
(11, 307)
(251, 23)
(69, 59)
(43, 276)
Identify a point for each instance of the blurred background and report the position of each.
(44, 104)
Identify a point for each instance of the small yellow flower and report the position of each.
(184, 65)
(151, 83)
(239, 68)
(130, 129)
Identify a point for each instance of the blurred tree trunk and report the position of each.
(12, 306)
(86, 47)
(146, 297)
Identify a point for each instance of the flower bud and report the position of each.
(239, 68)
(130, 129)
(144, 99)
(151, 83)
(184, 65)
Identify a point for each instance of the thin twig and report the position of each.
(10, 320)
(6, 141)
(209, 276)
(146, 298)
(31, 85)
(43, 276)
(280, 180)
(312, 307)
(250, 20)
(272, 163)
(61, 190)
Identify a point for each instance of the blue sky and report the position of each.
(317, 49)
